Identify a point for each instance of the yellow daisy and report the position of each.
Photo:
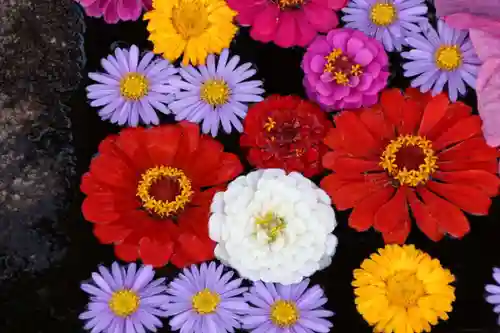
(193, 27)
(403, 290)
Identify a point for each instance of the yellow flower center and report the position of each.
(409, 159)
(404, 289)
(272, 225)
(190, 18)
(448, 58)
(134, 86)
(383, 14)
(284, 313)
(123, 303)
(160, 206)
(270, 124)
(205, 302)
(341, 67)
(215, 92)
(287, 4)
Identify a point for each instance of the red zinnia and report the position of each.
(410, 153)
(286, 133)
(149, 193)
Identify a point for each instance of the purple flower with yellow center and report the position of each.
(445, 56)
(124, 300)
(493, 291)
(217, 93)
(132, 87)
(205, 299)
(286, 308)
(389, 21)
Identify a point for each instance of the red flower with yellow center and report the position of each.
(286, 132)
(149, 193)
(411, 153)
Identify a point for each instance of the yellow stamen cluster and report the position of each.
(272, 224)
(448, 58)
(189, 18)
(205, 301)
(161, 207)
(270, 124)
(404, 176)
(284, 313)
(289, 3)
(340, 76)
(383, 14)
(134, 86)
(404, 288)
(215, 92)
(124, 302)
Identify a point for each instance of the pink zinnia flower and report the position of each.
(287, 22)
(115, 10)
(345, 70)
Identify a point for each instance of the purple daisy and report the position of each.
(494, 292)
(286, 308)
(345, 70)
(389, 21)
(445, 56)
(124, 300)
(132, 88)
(217, 93)
(204, 300)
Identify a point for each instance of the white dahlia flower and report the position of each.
(273, 227)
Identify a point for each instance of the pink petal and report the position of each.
(321, 18)
(338, 40)
(486, 45)
(265, 24)
(354, 45)
(111, 13)
(306, 31)
(287, 30)
(363, 57)
(318, 64)
(467, 21)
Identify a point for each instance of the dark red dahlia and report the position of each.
(286, 132)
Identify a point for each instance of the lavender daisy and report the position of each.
(286, 308)
(205, 300)
(443, 57)
(494, 292)
(132, 88)
(217, 93)
(124, 300)
(389, 21)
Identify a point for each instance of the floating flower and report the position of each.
(282, 309)
(115, 10)
(443, 57)
(149, 191)
(345, 70)
(193, 27)
(411, 153)
(287, 22)
(124, 300)
(205, 299)
(493, 291)
(411, 290)
(217, 93)
(273, 226)
(132, 87)
(389, 21)
(287, 133)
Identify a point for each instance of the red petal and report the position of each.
(351, 193)
(393, 213)
(127, 252)
(377, 124)
(415, 94)
(353, 165)
(114, 172)
(450, 218)
(206, 160)
(411, 117)
(433, 113)
(131, 144)
(489, 166)
(427, 222)
(100, 208)
(462, 151)
(195, 220)
(229, 167)
(462, 130)
(465, 197)
(455, 113)
(188, 144)
(110, 233)
(204, 198)
(194, 249)
(362, 216)
(89, 184)
(333, 139)
(162, 143)
(398, 235)
(393, 102)
(483, 180)
(155, 253)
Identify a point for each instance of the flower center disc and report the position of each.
(409, 159)
(404, 289)
(284, 313)
(134, 86)
(383, 14)
(123, 303)
(272, 224)
(215, 92)
(189, 18)
(289, 4)
(205, 301)
(448, 58)
(341, 67)
(164, 190)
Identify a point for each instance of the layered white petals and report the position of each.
(306, 243)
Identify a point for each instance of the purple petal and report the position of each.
(133, 58)
(143, 277)
(145, 61)
(103, 78)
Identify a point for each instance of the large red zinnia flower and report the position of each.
(286, 133)
(410, 153)
(149, 193)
